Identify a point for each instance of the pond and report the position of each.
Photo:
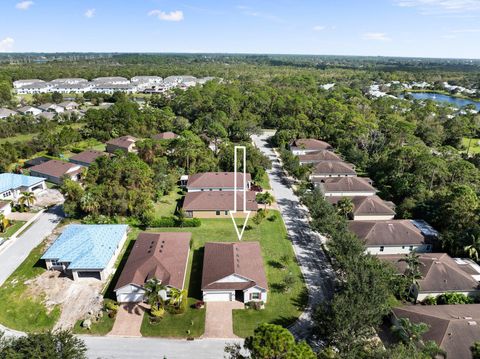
(455, 101)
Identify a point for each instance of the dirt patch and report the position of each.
(48, 197)
(76, 298)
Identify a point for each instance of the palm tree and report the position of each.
(176, 296)
(89, 204)
(345, 207)
(473, 249)
(4, 223)
(154, 288)
(412, 273)
(265, 198)
(27, 198)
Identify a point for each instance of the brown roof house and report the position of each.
(217, 181)
(318, 156)
(392, 236)
(233, 271)
(165, 136)
(124, 143)
(302, 146)
(55, 170)
(163, 256)
(345, 186)
(455, 328)
(328, 169)
(367, 208)
(86, 158)
(440, 274)
(217, 204)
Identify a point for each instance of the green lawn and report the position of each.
(281, 308)
(102, 327)
(474, 145)
(15, 226)
(265, 182)
(167, 205)
(20, 310)
(18, 138)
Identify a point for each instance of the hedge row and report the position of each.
(175, 222)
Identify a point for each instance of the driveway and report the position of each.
(13, 255)
(218, 319)
(314, 264)
(129, 320)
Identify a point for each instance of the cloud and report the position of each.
(376, 36)
(24, 5)
(465, 31)
(6, 44)
(441, 6)
(90, 13)
(319, 28)
(176, 15)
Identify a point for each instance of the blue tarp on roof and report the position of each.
(10, 181)
(87, 246)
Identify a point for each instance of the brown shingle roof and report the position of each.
(165, 136)
(56, 168)
(223, 259)
(216, 180)
(217, 201)
(366, 205)
(123, 142)
(387, 233)
(317, 156)
(346, 184)
(453, 327)
(157, 255)
(333, 167)
(88, 156)
(311, 144)
(440, 273)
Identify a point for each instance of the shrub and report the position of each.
(255, 305)
(158, 312)
(169, 222)
(181, 308)
(110, 304)
(454, 298)
(430, 300)
(163, 222)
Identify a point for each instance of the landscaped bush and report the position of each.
(110, 304)
(430, 300)
(168, 222)
(255, 305)
(181, 308)
(454, 298)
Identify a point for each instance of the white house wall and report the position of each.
(233, 278)
(403, 249)
(375, 217)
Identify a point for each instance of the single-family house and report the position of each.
(318, 156)
(69, 105)
(217, 204)
(345, 186)
(163, 256)
(454, 328)
(367, 208)
(392, 237)
(169, 135)
(36, 161)
(47, 115)
(29, 110)
(87, 157)
(86, 250)
(55, 170)
(233, 271)
(303, 146)
(326, 169)
(5, 113)
(5, 208)
(51, 107)
(440, 273)
(12, 185)
(124, 143)
(217, 181)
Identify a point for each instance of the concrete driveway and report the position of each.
(129, 320)
(218, 319)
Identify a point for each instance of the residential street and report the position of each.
(315, 266)
(16, 253)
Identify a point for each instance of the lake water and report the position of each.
(455, 101)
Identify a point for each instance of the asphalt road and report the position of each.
(313, 262)
(15, 254)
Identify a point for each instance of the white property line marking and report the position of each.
(244, 190)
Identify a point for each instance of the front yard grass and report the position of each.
(281, 308)
(14, 227)
(102, 327)
(20, 310)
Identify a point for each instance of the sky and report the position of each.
(411, 28)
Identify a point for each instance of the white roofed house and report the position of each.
(146, 82)
(114, 80)
(38, 87)
(70, 81)
(20, 83)
(29, 110)
(51, 107)
(69, 105)
(80, 87)
(5, 113)
(111, 88)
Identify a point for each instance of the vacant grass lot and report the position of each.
(282, 307)
(166, 206)
(15, 226)
(19, 309)
(474, 145)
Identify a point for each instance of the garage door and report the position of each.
(218, 297)
(95, 275)
(129, 297)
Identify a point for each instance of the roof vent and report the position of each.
(467, 318)
(472, 322)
